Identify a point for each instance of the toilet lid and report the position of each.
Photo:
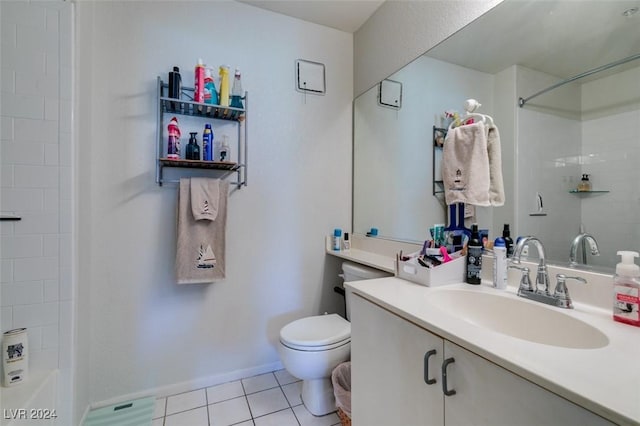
(321, 330)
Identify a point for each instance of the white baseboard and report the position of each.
(190, 385)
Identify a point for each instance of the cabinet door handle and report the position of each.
(445, 390)
(428, 355)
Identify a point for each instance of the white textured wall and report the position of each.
(139, 330)
(400, 31)
(35, 182)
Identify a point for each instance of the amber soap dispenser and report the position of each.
(585, 184)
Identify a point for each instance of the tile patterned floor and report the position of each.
(271, 399)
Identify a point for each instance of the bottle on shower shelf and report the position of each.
(173, 142)
(236, 93)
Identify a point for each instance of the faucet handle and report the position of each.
(525, 281)
(561, 293)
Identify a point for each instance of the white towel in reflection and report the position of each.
(496, 184)
(465, 165)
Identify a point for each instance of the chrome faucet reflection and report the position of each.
(580, 242)
(540, 292)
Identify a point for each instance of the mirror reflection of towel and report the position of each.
(200, 252)
(472, 166)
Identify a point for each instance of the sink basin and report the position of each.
(519, 318)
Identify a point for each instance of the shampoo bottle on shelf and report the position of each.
(173, 142)
(210, 92)
(224, 85)
(207, 143)
(626, 290)
(198, 82)
(175, 83)
(500, 263)
(474, 257)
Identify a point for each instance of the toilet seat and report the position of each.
(317, 333)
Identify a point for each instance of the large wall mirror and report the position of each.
(589, 126)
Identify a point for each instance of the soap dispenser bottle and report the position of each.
(626, 290)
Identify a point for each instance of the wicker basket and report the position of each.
(344, 419)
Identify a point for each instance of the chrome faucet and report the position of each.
(540, 292)
(580, 242)
(542, 277)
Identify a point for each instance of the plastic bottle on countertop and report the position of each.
(500, 263)
(198, 82)
(336, 242)
(626, 290)
(224, 85)
(474, 257)
(508, 241)
(173, 142)
(210, 92)
(207, 143)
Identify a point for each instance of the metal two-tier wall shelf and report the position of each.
(184, 107)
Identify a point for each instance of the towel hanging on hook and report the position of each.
(470, 106)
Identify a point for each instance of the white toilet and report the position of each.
(310, 348)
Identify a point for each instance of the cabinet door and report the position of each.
(487, 394)
(387, 370)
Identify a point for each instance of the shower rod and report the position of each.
(523, 101)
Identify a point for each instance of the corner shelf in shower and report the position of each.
(575, 191)
(184, 107)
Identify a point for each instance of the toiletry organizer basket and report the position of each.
(451, 272)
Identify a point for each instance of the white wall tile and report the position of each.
(20, 246)
(38, 223)
(6, 319)
(22, 199)
(21, 152)
(6, 228)
(23, 106)
(24, 293)
(52, 17)
(6, 271)
(65, 218)
(6, 176)
(39, 84)
(39, 268)
(35, 130)
(51, 108)
(7, 32)
(64, 251)
(6, 128)
(65, 115)
(8, 84)
(21, 13)
(51, 198)
(34, 335)
(14, 58)
(50, 337)
(51, 292)
(65, 152)
(65, 183)
(46, 359)
(51, 245)
(35, 177)
(65, 337)
(31, 38)
(66, 288)
(35, 315)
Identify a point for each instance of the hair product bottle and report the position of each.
(207, 143)
(198, 82)
(474, 257)
(173, 142)
(626, 290)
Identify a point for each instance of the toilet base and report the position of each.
(317, 396)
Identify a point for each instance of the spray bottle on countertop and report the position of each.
(474, 257)
(173, 142)
(626, 290)
(207, 143)
(500, 263)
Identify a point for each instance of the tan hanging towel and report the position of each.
(200, 253)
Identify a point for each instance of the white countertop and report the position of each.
(605, 381)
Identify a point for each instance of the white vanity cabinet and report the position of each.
(397, 380)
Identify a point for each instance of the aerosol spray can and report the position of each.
(15, 365)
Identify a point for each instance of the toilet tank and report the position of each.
(357, 272)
